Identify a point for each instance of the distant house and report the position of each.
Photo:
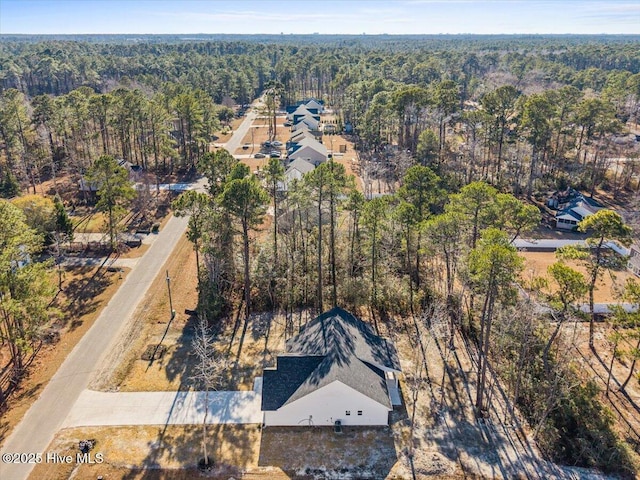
(298, 136)
(634, 259)
(335, 369)
(134, 175)
(302, 130)
(574, 211)
(308, 149)
(313, 104)
(307, 122)
(295, 171)
(302, 111)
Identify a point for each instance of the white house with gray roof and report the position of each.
(295, 171)
(308, 149)
(308, 122)
(335, 369)
(575, 211)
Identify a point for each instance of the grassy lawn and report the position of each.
(363, 452)
(92, 223)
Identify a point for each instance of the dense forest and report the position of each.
(64, 102)
(467, 134)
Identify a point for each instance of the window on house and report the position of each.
(359, 412)
(348, 412)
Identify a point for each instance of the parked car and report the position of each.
(274, 154)
(276, 143)
(286, 124)
(245, 146)
(259, 155)
(266, 144)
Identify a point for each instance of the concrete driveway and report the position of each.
(163, 408)
(48, 412)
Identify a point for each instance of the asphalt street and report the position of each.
(47, 414)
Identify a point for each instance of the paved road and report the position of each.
(236, 139)
(163, 408)
(46, 415)
(552, 244)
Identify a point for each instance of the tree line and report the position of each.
(523, 113)
(457, 132)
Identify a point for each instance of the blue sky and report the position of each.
(318, 16)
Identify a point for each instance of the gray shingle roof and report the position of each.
(279, 384)
(339, 331)
(350, 371)
(336, 346)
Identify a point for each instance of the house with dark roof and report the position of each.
(311, 104)
(335, 369)
(574, 211)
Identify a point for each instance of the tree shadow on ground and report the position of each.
(22, 395)
(357, 452)
(173, 451)
(82, 295)
(179, 361)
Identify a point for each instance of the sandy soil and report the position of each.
(86, 291)
(223, 138)
(608, 286)
(135, 452)
(151, 324)
(624, 405)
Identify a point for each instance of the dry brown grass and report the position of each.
(624, 405)
(82, 301)
(259, 133)
(135, 252)
(155, 452)
(536, 264)
(366, 452)
(151, 320)
(223, 138)
(250, 350)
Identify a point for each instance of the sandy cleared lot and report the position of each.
(139, 452)
(608, 286)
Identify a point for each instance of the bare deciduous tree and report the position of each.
(208, 371)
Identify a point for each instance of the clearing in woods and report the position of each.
(446, 440)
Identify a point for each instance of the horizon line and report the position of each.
(316, 34)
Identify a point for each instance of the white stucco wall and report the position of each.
(327, 405)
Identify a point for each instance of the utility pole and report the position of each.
(171, 310)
